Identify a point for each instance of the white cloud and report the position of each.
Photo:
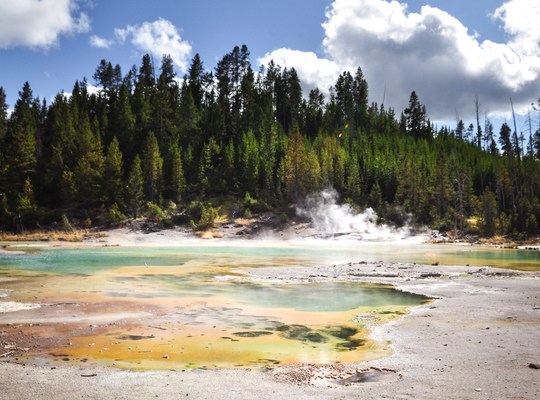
(430, 52)
(39, 24)
(313, 71)
(520, 19)
(159, 37)
(99, 42)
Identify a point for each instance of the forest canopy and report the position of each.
(149, 142)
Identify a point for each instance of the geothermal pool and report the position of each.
(191, 306)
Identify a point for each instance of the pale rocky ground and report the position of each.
(478, 339)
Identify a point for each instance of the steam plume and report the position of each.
(337, 220)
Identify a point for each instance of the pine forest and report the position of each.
(175, 149)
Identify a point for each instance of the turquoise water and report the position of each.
(88, 260)
(191, 270)
(194, 271)
(323, 297)
(254, 254)
(196, 291)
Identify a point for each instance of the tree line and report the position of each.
(149, 142)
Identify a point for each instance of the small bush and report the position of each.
(254, 205)
(154, 212)
(114, 215)
(171, 208)
(204, 213)
(208, 217)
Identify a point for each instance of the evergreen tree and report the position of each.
(505, 139)
(460, 130)
(134, 190)
(205, 169)
(26, 203)
(3, 166)
(113, 175)
(3, 121)
(104, 75)
(294, 165)
(415, 115)
(354, 184)
(152, 166)
(360, 97)
(314, 113)
(345, 99)
(21, 144)
(165, 102)
(177, 184)
(536, 144)
(249, 163)
(197, 79)
(488, 211)
(122, 123)
(189, 117)
(267, 163)
(88, 171)
(229, 167)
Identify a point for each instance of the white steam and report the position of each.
(331, 219)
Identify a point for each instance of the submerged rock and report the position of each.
(342, 332)
(302, 333)
(134, 337)
(252, 334)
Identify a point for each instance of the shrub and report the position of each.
(208, 217)
(203, 213)
(254, 204)
(154, 212)
(114, 215)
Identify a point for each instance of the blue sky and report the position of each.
(448, 51)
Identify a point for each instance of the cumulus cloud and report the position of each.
(314, 71)
(39, 24)
(520, 19)
(101, 43)
(158, 37)
(430, 52)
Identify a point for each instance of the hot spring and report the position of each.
(164, 305)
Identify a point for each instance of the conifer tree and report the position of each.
(229, 167)
(3, 133)
(197, 80)
(113, 175)
(152, 166)
(3, 121)
(189, 117)
(26, 203)
(249, 163)
(177, 185)
(21, 144)
(134, 189)
(205, 169)
(314, 113)
(505, 139)
(415, 115)
(294, 165)
(122, 123)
